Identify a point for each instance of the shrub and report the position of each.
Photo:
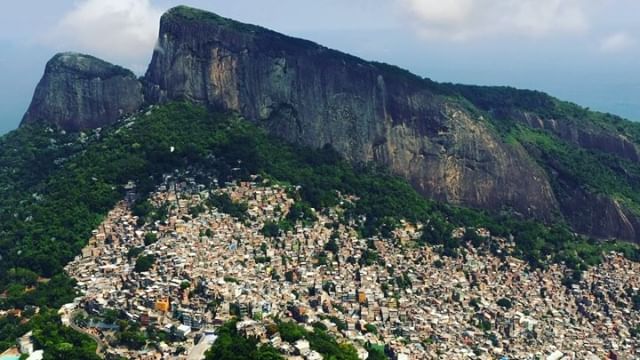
(505, 303)
(144, 263)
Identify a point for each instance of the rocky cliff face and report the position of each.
(584, 135)
(453, 143)
(368, 112)
(80, 92)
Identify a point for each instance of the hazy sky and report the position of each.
(586, 51)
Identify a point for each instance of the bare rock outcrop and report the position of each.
(369, 112)
(79, 92)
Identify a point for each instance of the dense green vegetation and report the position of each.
(144, 263)
(499, 100)
(230, 345)
(319, 340)
(224, 203)
(570, 167)
(60, 342)
(131, 336)
(200, 16)
(11, 328)
(502, 102)
(596, 172)
(147, 213)
(270, 229)
(376, 352)
(55, 188)
(54, 293)
(150, 238)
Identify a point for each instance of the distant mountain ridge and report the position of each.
(486, 147)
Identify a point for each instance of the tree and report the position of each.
(471, 236)
(231, 345)
(110, 316)
(301, 211)
(332, 246)
(291, 332)
(144, 263)
(436, 232)
(224, 203)
(376, 352)
(288, 276)
(150, 238)
(270, 229)
(132, 338)
(59, 341)
(504, 303)
(185, 285)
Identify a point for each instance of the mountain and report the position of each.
(498, 149)
(58, 188)
(369, 165)
(428, 133)
(79, 92)
(368, 112)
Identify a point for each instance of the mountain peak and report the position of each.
(86, 64)
(187, 12)
(461, 144)
(314, 96)
(188, 15)
(79, 91)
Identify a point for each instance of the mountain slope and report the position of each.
(315, 118)
(453, 143)
(591, 158)
(368, 112)
(44, 222)
(492, 148)
(46, 218)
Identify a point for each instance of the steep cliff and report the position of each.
(492, 148)
(80, 92)
(587, 129)
(368, 112)
(591, 158)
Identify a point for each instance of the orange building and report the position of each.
(362, 297)
(163, 305)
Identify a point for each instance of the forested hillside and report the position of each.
(56, 188)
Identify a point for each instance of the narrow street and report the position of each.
(100, 345)
(197, 353)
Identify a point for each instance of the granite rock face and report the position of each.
(79, 92)
(447, 140)
(369, 112)
(584, 135)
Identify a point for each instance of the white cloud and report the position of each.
(465, 19)
(124, 30)
(617, 42)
